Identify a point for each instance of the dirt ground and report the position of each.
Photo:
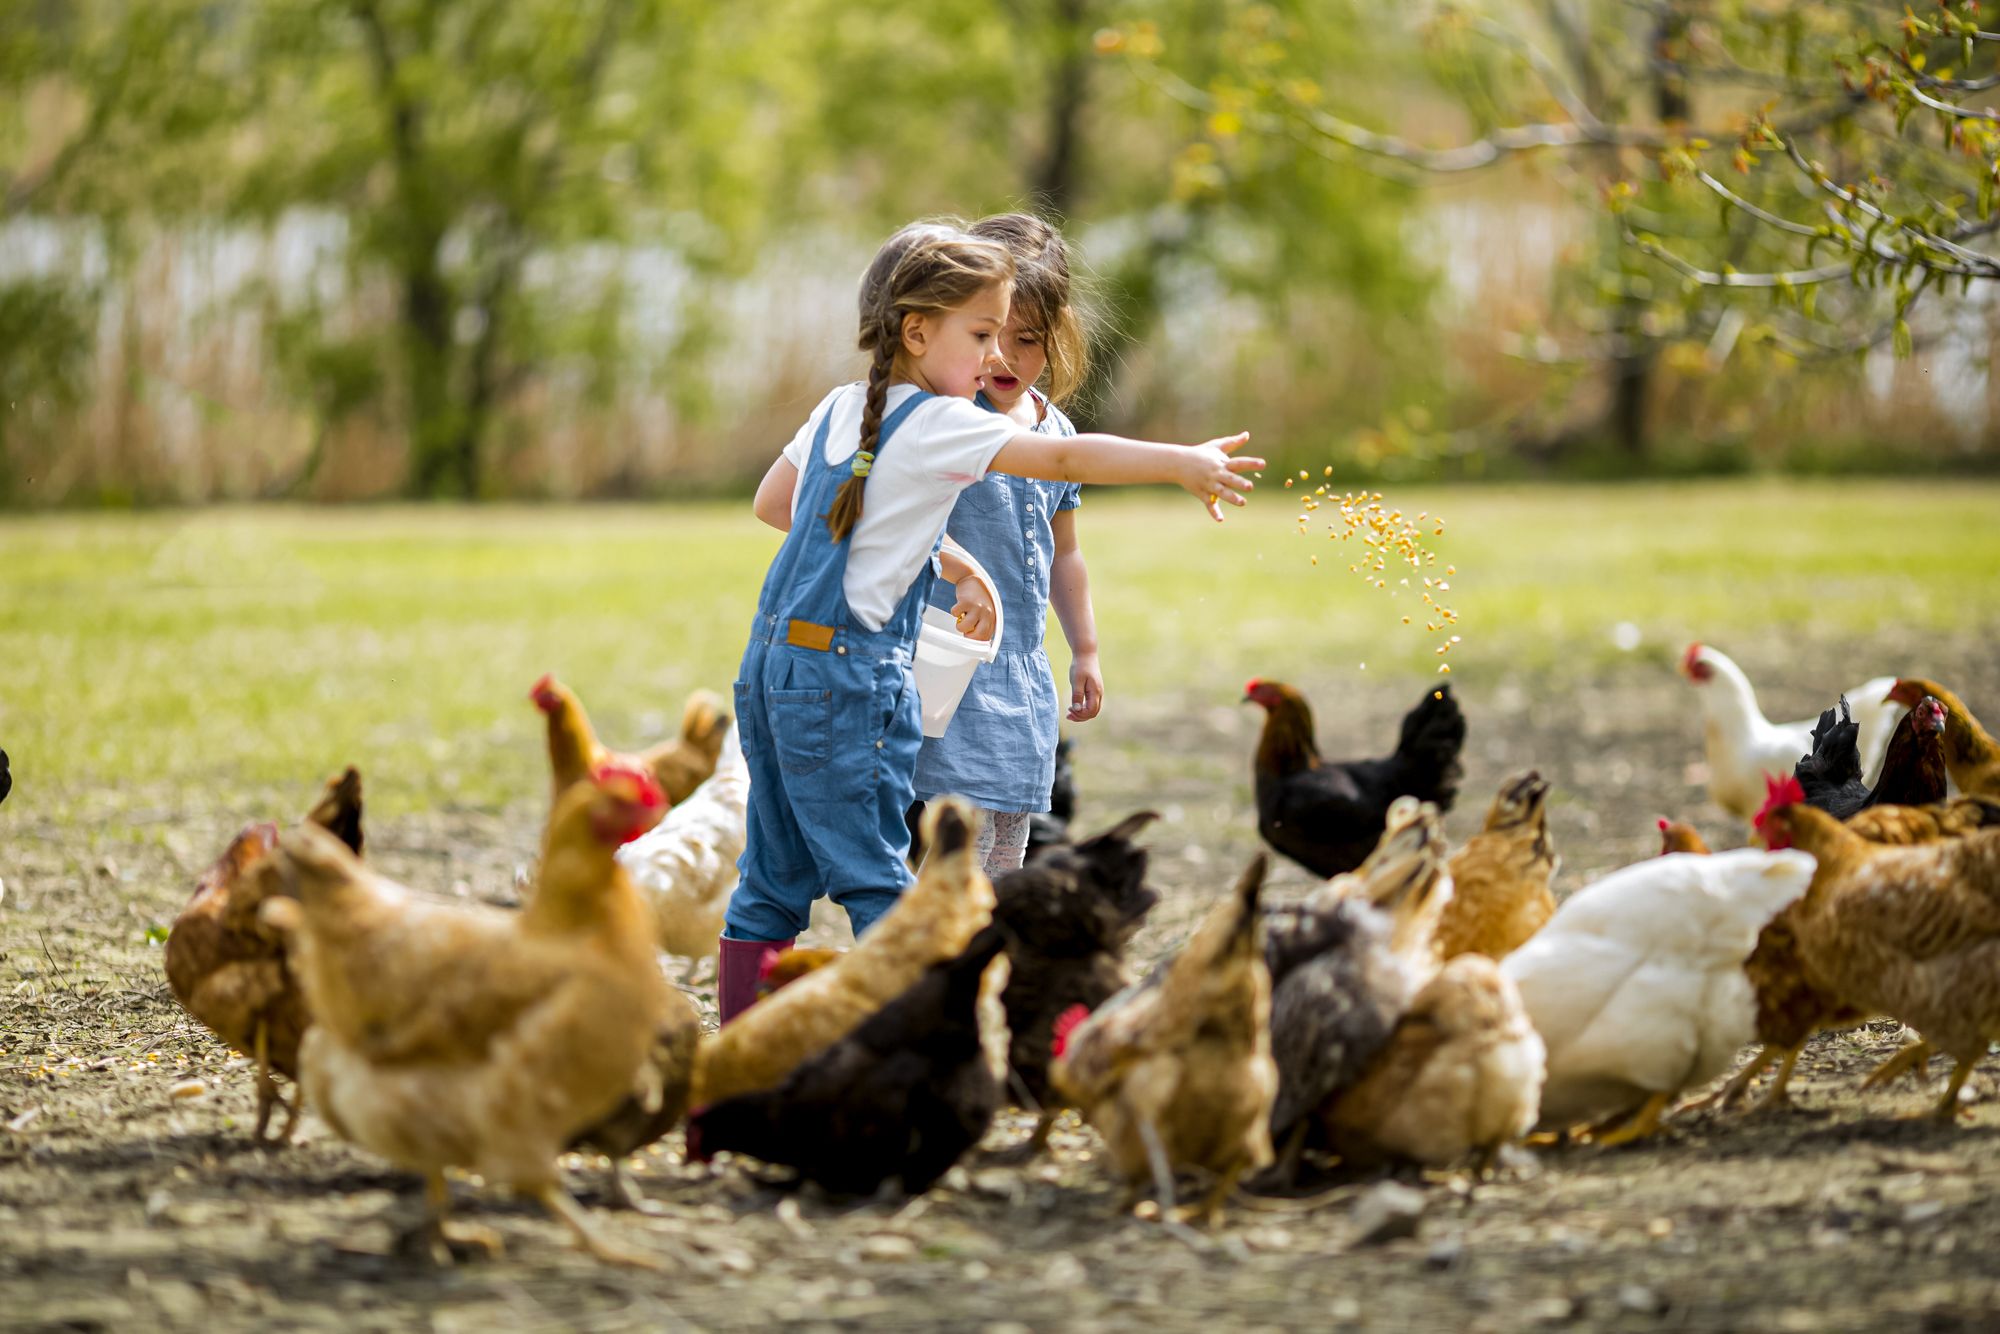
(131, 1197)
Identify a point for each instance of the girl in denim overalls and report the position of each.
(1000, 750)
(825, 698)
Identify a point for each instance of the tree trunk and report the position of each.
(1053, 180)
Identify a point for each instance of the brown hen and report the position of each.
(1500, 879)
(679, 765)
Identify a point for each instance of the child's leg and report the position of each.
(772, 901)
(1003, 842)
(858, 830)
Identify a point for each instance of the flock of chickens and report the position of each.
(1422, 1005)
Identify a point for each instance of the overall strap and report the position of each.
(895, 419)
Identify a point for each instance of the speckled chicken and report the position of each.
(229, 969)
(686, 865)
(1344, 965)
(902, 1096)
(1500, 879)
(1176, 1071)
(1910, 932)
(1461, 1075)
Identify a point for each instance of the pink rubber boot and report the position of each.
(737, 972)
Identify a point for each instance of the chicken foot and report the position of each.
(1643, 1123)
(435, 1234)
(267, 1090)
(1209, 1211)
(625, 1195)
(558, 1202)
(1163, 1172)
(1732, 1092)
(1946, 1108)
(1915, 1058)
(1776, 1099)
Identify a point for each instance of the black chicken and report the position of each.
(1050, 827)
(901, 1096)
(1831, 774)
(1913, 768)
(6, 777)
(1327, 817)
(1070, 912)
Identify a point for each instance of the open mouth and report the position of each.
(1006, 384)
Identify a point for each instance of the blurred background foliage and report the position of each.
(336, 249)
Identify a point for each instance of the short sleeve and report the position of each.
(1072, 497)
(795, 452)
(960, 439)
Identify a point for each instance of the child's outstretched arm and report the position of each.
(1210, 472)
(1069, 594)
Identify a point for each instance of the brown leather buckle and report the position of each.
(804, 634)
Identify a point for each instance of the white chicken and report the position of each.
(685, 867)
(1637, 985)
(1744, 747)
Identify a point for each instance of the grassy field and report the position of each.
(167, 677)
(233, 650)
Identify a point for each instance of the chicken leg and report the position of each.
(1776, 1098)
(1728, 1095)
(1163, 1172)
(558, 1202)
(1915, 1057)
(267, 1090)
(623, 1193)
(436, 1233)
(1643, 1123)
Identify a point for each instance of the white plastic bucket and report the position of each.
(945, 659)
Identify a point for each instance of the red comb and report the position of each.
(649, 795)
(1665, 824)
(544, 693)
(1252, 684)
(1778, 792)
(1066, 1023)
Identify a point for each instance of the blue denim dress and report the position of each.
(1000, 749)
(828, 715)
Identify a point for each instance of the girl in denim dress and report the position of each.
(1000, 749)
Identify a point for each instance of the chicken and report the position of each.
(1176, 1071)
(781, 968)
(1328, 817)
(902, 1096)
(1831, 774)
(1970, 752)
(1344, 965)
(1910, 932)
(447, 1035)
(1637, 984)
(1914, 772)
(1744, 748)
(1461, 1074)
(934, 920)
(1678, 837)
(6, 776)
(679, 765)
(1904, 825)
(1500, 879)
(686, 865)
(229, 970)
(1069, 914)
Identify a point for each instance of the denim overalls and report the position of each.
(1000, 750)
(829, 720)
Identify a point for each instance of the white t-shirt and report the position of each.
(942, 447)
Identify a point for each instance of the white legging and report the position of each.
(1003, 840)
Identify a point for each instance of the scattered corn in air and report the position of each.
(1387, 534)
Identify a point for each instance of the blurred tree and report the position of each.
(1864, 161)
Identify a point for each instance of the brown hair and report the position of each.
(1042, 295)
(924, 268)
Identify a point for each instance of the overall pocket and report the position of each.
(801, 728)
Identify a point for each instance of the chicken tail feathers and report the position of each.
(704, 720)
(1433, 734)
(947, 828)
(339, 809)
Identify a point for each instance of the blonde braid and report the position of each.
(845, 511)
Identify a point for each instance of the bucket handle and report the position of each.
(991, 648)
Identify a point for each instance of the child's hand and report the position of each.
(973, 612)
(1086, 688)
(1213, 474)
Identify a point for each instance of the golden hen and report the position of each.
(1500, 878)
(228, 969)
(453, 1036)
(679, 765)
(934, 920)
(1176, 1071)
(1971, 754)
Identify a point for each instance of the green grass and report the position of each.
(228, 651)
